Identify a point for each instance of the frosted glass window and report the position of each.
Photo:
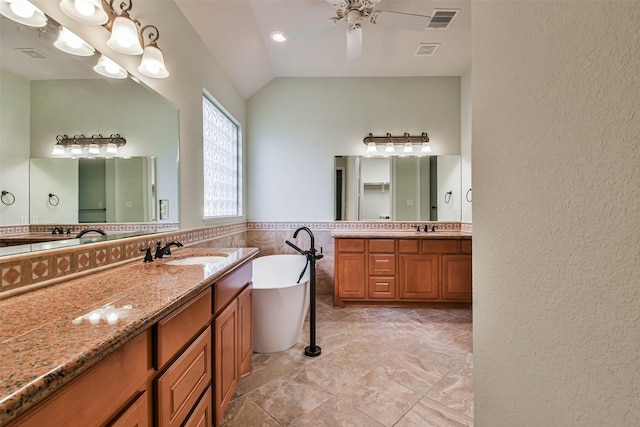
(221, 155)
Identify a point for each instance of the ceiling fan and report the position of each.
(354, 12)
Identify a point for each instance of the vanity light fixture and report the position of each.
(70, 43)
(390, 142)
(23, 12)
(78, 145)
(127, 34)
(108, 68)
(152, 63)
(88, 12)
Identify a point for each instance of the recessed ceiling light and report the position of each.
(278, 36)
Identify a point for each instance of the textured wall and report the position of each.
(557, 193)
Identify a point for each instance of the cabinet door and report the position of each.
(245, 330)
(418, 278)
(456, 277)
(225, 357)
(202, 415)
(350, 280)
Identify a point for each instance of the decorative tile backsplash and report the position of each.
(21, 272)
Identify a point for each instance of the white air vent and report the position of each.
(31, 53)
(441, 18)
(427, 49)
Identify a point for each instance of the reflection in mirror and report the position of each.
(45, 92)
(405, 188)
(92, 190)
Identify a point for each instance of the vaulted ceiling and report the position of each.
(238, 34)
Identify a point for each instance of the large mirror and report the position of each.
(403, 188)
(44, 93)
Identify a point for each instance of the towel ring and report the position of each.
(447, 196)
(7, 195)
(53, 200)
(469, 195)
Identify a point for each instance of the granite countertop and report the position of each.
(50, 336)
(402, 234)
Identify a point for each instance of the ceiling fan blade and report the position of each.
(309, 29)
(354, 42)
(407, 21)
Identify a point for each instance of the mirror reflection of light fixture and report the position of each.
(70, 43)
(23, 12)
(408, 147)
(88, 12)
(152, 63)
(389, 147)
(124, 32)
(79, 144)
(390, 142)
(108, 68)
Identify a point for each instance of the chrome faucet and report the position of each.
(90, 230)
(166, 249)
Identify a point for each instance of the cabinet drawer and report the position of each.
(99, 394)
(177, 329)
(202, 416)
(408, 246)
(184, 381)
(381, 245)
(136, 415)
(382, 287)
(226, 289)
(350, 245)
(465, 246)
(440, 246)
(382, 265)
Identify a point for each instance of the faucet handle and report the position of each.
(147, 256)
(418, 227)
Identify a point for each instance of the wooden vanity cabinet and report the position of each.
(182, 371)
(400, 271)
(110, 393)
(233, 335)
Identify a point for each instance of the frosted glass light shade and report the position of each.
(389, 148)
(58, 150)
(426, 147)
(106, 67)
(124, 36)
(23, 12)
(70, 43)
(94, 149)
(371, 147)
(408, 148)
(152, 63)
(112, 149)
(86, 11)
(76, 149)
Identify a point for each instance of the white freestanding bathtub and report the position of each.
(279, 303)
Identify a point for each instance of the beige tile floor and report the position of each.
(378, 367)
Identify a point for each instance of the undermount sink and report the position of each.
(194, 260)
